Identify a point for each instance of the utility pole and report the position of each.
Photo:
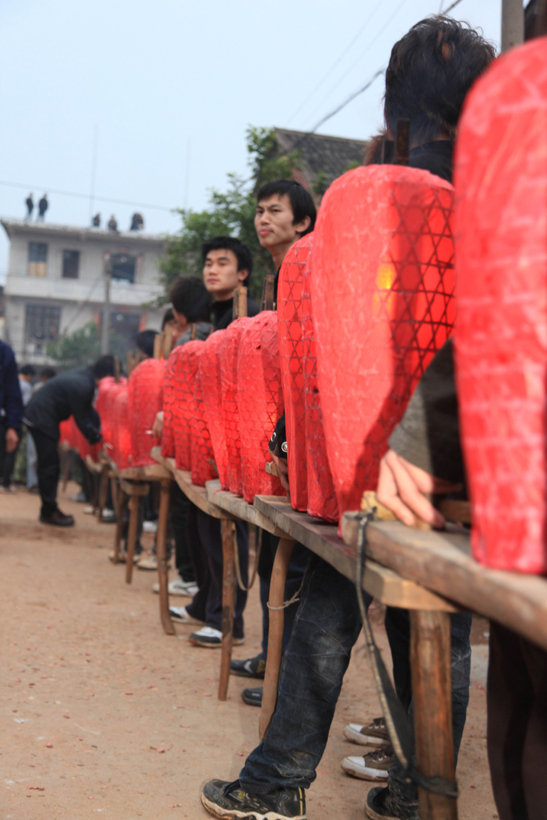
(105, 329)
(512, 24)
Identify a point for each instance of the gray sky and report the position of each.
(147, 103)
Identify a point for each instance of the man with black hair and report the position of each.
(65, 395)
(227, 264)
(275, 774)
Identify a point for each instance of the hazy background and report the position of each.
(146, 104)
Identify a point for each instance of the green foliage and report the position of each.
(230, 213)
(83, 346)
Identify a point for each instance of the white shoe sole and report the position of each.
(352, 732)
(356, 767)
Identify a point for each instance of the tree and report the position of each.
(230, 213)
(84, 346)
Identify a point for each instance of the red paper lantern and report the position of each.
(260, 403)
(322, 501)
(201, 450)
(79, 442)
(183, 411)
(382, 296)
(121, 436)
(145, 401)
(108, 390)
(210, 378)
(501, 333)
(169, 401)
(291, 355)
(230, 412)
(65, 432)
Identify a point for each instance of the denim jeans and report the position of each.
(326, 627)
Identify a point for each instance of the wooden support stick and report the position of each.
(228, 531)
(161, 555)
(276, 617)
(432, 706)
(120, 512)
(131, 536)
(240, 301)
(103, 487)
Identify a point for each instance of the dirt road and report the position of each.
(105, 716)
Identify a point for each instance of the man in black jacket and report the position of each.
(69, 394)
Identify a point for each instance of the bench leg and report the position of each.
(161, 556)
(131, 536)
(432, 705)
(228, 531)
(276, 618)
(120, 511)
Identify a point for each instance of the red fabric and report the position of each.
(382, 295)
(210, 379)
(260, 403)
(145, 401)
(501, 333)
(230, 412)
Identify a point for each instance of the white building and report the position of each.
(56, 283)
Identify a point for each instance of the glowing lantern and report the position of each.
(145, 401)
(501, 330)
(121, 436)
(382, 297)
(210, 379)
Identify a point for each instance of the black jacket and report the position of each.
(223, 312)
(69, 394)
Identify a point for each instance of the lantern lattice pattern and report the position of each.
(382, 295)
(260, 403)
(121, 436)
(108, 391)
(230, 413)
(169, 401)
(291, 357)
(209, 376)
(501, 329)
(145, 401)
(202, 465)
(322, 501)
(186, 370)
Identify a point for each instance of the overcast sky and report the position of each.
(147, 103)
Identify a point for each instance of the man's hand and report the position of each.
(282, 471)
(12, 439)
(403, 488)
(157, 427)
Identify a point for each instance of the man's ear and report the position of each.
(242, 275)
(302, 226)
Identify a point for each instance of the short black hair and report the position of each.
(189, 296)
(104, 366)
(430, 71)
(145, 341)
(27, 370)
(229, 243)
(47, 373)
(302, 203)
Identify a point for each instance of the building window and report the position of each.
(123, 266)
(71, 264)
(37, 258)
(42, 324)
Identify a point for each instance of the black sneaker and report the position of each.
(252, 696)
(58, 519)
(381, 804)
(223, 799)
(250, 668)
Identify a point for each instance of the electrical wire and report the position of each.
(85, 196)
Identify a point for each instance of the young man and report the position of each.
(430, 71)
(69, 394)
(285, 211)
(227, 264)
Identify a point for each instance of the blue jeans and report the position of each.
(326, 627)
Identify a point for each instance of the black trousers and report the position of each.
(517, 725)
(48, 469)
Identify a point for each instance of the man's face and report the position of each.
(275, 226)
(220, 274)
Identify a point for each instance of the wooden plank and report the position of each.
(441, 561)
(228, 531)
(323, 540)
(197, 495)
(134, 487)
(237, 507)
(149, 472)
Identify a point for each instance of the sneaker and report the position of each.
(148, 562)
(89, 510)
(150, 526)
(373, 734)
(108, 516)
(372, 766)
(250, 668)
(382, 804)
(57, 519)
(252, 696)
(223, 799)
(179, 587)
(210, 638)
(180, 615)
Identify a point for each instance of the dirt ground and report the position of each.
(105, 715)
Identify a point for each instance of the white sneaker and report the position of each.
(180, 615)
(150, 526)
(179, 587)
(371, 734)
(372, 766)
(211, 638)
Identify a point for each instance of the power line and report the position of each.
(367, 85)
(85, 196)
